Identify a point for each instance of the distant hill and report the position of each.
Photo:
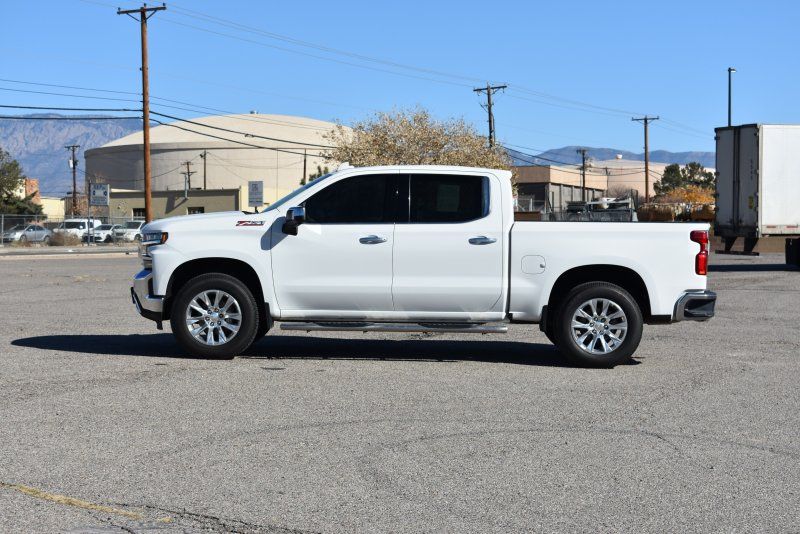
(39, 145)
(569, 154)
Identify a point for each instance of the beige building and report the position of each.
(224, 152)
(53, 207)
(557, 185)
(130, 204)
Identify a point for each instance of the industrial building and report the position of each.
(223, 151)
(552, 186)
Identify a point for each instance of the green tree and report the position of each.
(321, 171)
(675, 177)
(11, 176)
(11, 179)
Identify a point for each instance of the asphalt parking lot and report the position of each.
(105, 427)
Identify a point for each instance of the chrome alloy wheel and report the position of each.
(213, 317)
(599, 326)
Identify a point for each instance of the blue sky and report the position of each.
(665, 58)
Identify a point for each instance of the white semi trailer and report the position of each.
(758, 185)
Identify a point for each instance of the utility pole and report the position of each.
(204, 155)
(305, 157)
(582, 152)
(144, 14)
(73, 164)
(490, 90)
(646, 121)
(731, 70)
(187, 180)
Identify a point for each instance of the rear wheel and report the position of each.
(46, 240)
(599, 325)
(214, 316)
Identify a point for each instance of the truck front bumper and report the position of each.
(148, 305)
(695, 306)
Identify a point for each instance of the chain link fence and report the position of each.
(38, 230)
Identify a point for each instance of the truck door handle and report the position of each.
(482, 240)
(372, 240)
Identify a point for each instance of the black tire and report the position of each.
(248, 326)
(46, 240)
(578, 354)
(23, 239)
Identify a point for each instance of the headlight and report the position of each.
(154, 238)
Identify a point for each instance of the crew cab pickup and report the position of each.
(418, 248)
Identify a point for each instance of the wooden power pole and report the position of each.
(490, 90)
(73, 164)
(145, 13)
(187, 182)
(582, 152)
(646, 121)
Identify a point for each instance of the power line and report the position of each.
(66, 109)
(28, 118)
(240, 132)
(66, 94)
(243, 143)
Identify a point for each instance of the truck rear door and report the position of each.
(448, 255)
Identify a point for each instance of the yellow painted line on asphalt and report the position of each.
(71, 501)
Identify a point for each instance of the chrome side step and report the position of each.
(342, 326)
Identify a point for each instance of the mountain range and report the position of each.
(570, 155)
(38, 144)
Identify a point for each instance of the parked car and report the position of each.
(130, 231)
(418, 249)
(78, 227)
(31, 233)
(105, 233)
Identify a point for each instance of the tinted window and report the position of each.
(437, 198)
(360, 199)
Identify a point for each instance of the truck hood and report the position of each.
(210, 221)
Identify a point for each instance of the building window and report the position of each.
(195, 211)
(138, 213)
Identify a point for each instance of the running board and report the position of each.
(341, 326)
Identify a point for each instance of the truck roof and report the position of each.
(499, 172)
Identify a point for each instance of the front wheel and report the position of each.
(214, 316)
(599, 325)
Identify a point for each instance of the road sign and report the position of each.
(255, 194)
(98, 195)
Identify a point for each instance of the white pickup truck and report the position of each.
(423, 249)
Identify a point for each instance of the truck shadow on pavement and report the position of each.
(751, 267)
(281, 347)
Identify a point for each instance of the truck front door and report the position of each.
(340, 262)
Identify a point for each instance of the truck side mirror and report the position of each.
(294, 218)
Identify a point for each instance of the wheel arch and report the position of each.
(625, 277)
(239, 269)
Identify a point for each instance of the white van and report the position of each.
(77, 227)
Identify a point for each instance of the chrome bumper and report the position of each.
(695, 306)
(147, 305)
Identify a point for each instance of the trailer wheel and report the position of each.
(793, 252)
(214, 316)
(599, 325)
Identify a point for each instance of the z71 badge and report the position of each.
(249, 223)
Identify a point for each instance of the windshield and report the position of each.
(296, 192)
(73, 225)
(104, 227)
(133, 225)
(17, 228)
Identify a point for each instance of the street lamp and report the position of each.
(731, 70)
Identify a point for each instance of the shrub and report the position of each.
(64, 239)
